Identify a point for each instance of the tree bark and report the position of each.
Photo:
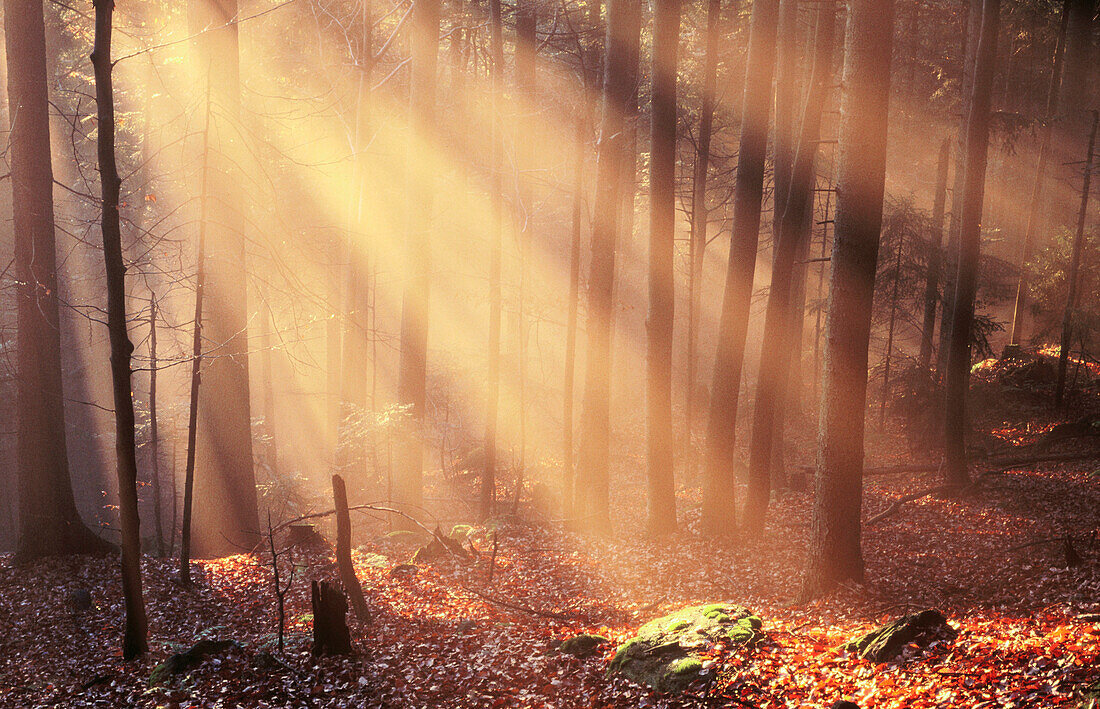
(154, 432)
(593, 481)
(330, 627)
(935, 260)
(718, 514)
(134, 641)
(775, 355)
(1075, 268)
(413, 364)
(662, 234)
(956, 380)
(226, 509)
(49, 523)
(699, 214)
(343, 551)
(835, 553)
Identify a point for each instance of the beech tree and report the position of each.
(835, 549)
(49, 523)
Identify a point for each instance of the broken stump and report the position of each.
(330, 626)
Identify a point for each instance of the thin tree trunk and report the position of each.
(568, 389)
(718, 475)
(196, 362)
(662, 233)
(1072, 274)
(154, 434)
(49, 523)
(699, 215)
(1035, 206)
(835, 553)
(956, 381)
(343, 551)
(526, 54)
(776, 349)
(134, 641)
(935, 260)
(890, 333)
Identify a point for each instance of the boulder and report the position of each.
(886, 643)
(667, 653)
(583, 645)
(184, 661)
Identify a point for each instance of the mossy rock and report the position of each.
(403, 537)
(886, 643)
(1090, 696)
(183, 661)
(666, 654)
(583, 645)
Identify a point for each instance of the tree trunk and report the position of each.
(526, 53)
(835, 553)
(699, 214)
(413, 364)
(662, 233)
(956, 381)
(226, 510)
(786, 100)
(196, 361)
(1035, 206)
(496, 197)
(718, 475)
(775, 355)
(154, 433)
(49, 523)
(1075, 268)
(343, 551)
(330, 626)
(134, 641)
(593, 482)
(935, 260)
(890, 333)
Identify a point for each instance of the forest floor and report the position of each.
(443, 636)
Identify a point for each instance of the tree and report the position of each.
(134, 641)
(413, 365)
(718, 476)
(957, 376)
(593, 484)
(496, 196)
(1072, 273)
(699, 213)
(49, 523)
(226, 511)
(835, 553)
(662, 233)
(775, 357)
(935, 261)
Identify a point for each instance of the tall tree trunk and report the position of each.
(49, 523)
(956, 381)
(775, 357)
(887, 360)
(134, 641)
(496, 197)
(935, 260)
(662, 233)
(1039, 183)
(835, 553)
(699, 214)
(196, 358)
(226, 510)
(526, 55)
(1072, 274)
(951, 252)
(786, 99)
(413, 365)
(593, 481)
(718, 475)
(154, 432)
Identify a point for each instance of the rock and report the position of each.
(583, 645)
(305, 536)
(439, 546)
(666, 654)
(80, 600)
(886, 643)
(460, 532)
(183, 661)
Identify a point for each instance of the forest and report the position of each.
(550, 353)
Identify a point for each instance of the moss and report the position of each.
(887, 642)
(676, 624)
(582, 645)
(688, 665)
(459, 532)
(713, 608)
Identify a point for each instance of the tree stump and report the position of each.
(330, 626)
